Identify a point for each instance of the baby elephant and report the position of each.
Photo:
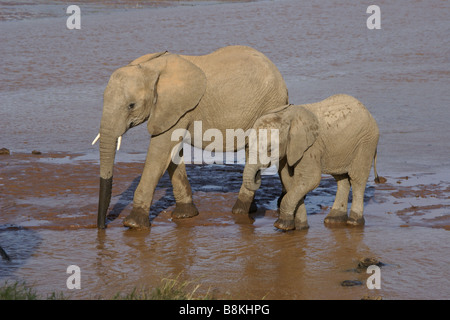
(336, 136)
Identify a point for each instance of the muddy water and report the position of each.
(48, 223)
(50, 100)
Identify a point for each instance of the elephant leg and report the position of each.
(288, 206)
(282, 171)
(293, 201)
(245, 202)
(301, 221)
(338, 212)
(356, 212)
(156, 163)
(184, 208)
(359, 174)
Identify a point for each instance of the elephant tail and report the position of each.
(377, 179)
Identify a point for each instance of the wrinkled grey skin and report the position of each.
(336, 136)
(227, 89)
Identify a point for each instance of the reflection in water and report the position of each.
(235, 257)
(19, 244)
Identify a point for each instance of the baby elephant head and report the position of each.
(298, 129)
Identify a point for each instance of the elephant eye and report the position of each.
(131, 106)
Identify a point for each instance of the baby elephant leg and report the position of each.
(288, 205)
(338, 212)
(292, 201)
(356, 212)
(301, 221)
(358, 180)
(292, 207)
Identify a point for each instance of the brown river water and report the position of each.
(51, 85)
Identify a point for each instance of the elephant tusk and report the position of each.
(96, 138)
(119, 141)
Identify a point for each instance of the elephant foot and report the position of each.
(184, 210)
(137, 219)
(303, 225)
(355, 219)
(336, 217)
(241, 207)
(284, 224)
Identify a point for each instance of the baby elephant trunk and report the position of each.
(252, 177)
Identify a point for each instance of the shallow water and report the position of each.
(48, 223)
(51, 85)
(237, 261)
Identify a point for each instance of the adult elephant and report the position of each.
(227, 89)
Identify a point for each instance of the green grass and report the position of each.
(17, 291)
(169, 289)
(20, 291)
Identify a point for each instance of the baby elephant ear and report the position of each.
(303, 132)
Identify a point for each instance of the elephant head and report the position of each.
(298, 130)
(160, 88)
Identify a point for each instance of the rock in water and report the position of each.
(351, 283)
(4, 151)
(380, 180)
(366, 262)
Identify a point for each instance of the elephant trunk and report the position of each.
(108, 144)
(252, 176)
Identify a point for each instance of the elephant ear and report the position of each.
(178, 87)
(303, 132)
